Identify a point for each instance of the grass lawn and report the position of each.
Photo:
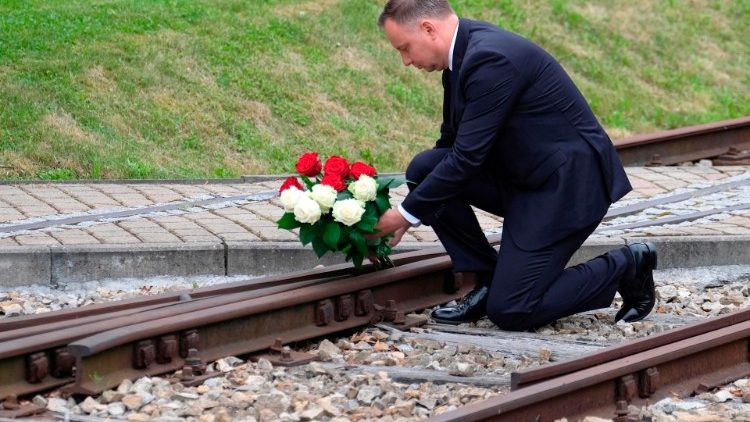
(100, 89)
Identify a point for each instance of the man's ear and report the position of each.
(428, 27)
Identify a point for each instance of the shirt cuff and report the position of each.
(414, 221)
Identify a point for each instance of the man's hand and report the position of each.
(391, 222)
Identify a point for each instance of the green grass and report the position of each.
(220, 88)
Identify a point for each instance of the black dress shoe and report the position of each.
(472, 307)
(637, 288)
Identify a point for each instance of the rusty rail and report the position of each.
(235, 323)
(102, 311)
(685, 144)
(683, 361)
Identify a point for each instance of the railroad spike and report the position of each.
(144, 354)
(166, 349)
(390, 312)
(648, 382)
(63, 363)
(364, 304)
(344, 307)
(189, 339)
(626, 388)
(324, 312)
(37, 367)
(195, 363)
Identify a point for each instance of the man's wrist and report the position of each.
(414, 221)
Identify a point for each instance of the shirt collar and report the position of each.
(450, 52)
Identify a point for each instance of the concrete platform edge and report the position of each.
(58, 265)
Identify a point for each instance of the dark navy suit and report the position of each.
(519, 140)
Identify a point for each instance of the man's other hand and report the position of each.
(391, 222)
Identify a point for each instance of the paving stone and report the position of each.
(78, 240)
(179, 225)
(37, 210)
(199, 239)
(119, 240)
(22, 199)
(157, 237)
(112, 189)
(671, 184)
(638, 183)
(187, 190)
(130, 200)
(274, 234)
(735, 230)
(156, 229)
(238, 236)
(197, 231)
(36, 239)
(8, 241)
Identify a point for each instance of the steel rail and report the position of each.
(104, 359)
(526, 377)
(75, 315)
(685, 144)
(689, 365)
(34, 363)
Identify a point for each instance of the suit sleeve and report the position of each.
(491, 85)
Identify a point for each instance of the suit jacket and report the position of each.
(512, 116)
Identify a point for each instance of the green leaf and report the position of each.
(389, 182)
(357, 259)
(359, 242)
(344, 194)
(306, 233)
(332, 235)
(367, 224)
(287, 221)
(371, 210)
(383, 203)
(319, 246)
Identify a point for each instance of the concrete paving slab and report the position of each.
(237, 236)
(70, 264)
(23, 265)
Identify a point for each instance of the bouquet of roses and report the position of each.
(336, 206)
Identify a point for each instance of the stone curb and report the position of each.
(59, 265)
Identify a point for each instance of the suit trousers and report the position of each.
(527, 288)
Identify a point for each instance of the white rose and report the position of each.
(365, 188)
(348, 211)
(307, 210)
(290, 197)
(324, 195)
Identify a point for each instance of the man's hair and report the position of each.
(405, 11)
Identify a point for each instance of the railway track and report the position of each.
(724, 140)
(90, 350)
(681, 362)
(87, 350)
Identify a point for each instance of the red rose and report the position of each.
(336, 165)
(309, 164)
(359, 168)
(334, 181)
(289, 182)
